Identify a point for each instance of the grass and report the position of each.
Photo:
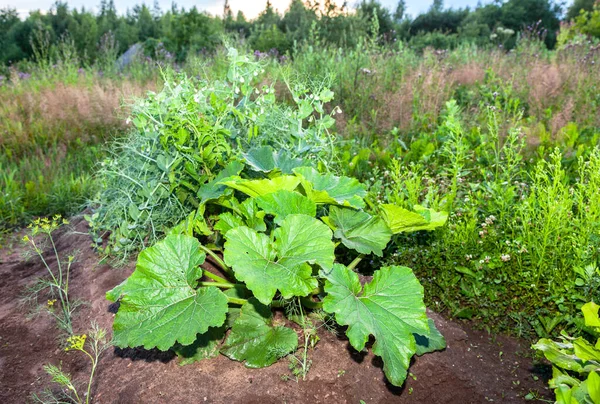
(52, 132)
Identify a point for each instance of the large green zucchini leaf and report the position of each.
(265, 186)
(265, 159)
(390, 308)
(401, 220)
(330, 189)
(283, 203)
(160, 304)
(267, 265)
(254, 340)
(214, 189)
(360, 231)
(206, 346)
(435, 341)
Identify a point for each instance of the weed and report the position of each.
(93, 346)
(58, 284)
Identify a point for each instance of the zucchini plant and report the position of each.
(281, 231)
(575, 362)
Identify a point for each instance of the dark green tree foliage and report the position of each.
(541, 15)
(367, 9)
(399, 12)
(438, 19)
(180, 33)
(297, 21)
(579, 5)
(9, 19)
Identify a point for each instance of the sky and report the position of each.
(251, 8)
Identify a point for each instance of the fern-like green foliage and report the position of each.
(182, 146)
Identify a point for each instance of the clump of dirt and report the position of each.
(474, 368)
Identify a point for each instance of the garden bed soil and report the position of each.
(474, 368)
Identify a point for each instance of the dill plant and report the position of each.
(92, 346)
(58, 284)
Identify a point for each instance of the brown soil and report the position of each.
(474, 368)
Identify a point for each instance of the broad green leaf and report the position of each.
(593, 387)
(214, 189)
(265, 159)
(260, 159)
(228, 221)
(283, 264)
(564, 395)
(160, 304)
(390, 308)
(246, 214)
(330, 189)
(433, 217)
(559, 377)
(206, 346)
(282, 203)
(193, 223)
(255, 341)
(434, 341)
(360, 231)
(301, 238)
(256, 188)
(253, 216)
(555, 353)
(590, 314)
(286, 164)
(401, 220)
(585, 351)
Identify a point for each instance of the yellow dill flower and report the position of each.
(26, 239)
(51, 302)
(77, 342)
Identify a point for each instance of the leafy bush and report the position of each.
(284, 235)
(187, 133)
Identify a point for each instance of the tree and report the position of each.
(437, 19)
(399, 12)
(297, 21)
(367, 9)
(268, 17)
(437, 6)
(526, 14)
(577, 6)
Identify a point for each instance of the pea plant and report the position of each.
(281, 232)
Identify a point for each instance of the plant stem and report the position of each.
(214, 277)
(310, 304)
(235, 300)
(218, 260)
(219, 284)
(355, 262)
(89, 388)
